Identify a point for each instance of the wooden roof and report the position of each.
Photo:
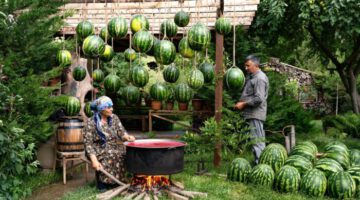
(240, 12)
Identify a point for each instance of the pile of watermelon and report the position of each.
(335, 173)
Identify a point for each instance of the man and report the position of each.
(253, 102)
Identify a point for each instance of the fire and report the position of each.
(148, 183)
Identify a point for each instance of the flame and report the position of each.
(150, 182)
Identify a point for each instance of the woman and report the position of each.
(103, 137)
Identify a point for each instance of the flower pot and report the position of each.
(183, 106)
(155, 105)
(54, 81)
(169, 105)
(197, 104)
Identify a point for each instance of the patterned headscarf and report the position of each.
(97, 106)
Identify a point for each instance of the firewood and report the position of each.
(155, 197)
(178, 184)
(175, 196)
(181, 192)
(147, 197)
(116, 192)
(130, 196)
(202, 194)
(140, 196)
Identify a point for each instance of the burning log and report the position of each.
(178, 184)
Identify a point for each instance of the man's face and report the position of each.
(251, 67)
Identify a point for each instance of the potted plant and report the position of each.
(183, 94)
(170, 98)
(197, 102)
(158, 93)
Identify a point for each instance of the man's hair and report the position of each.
(254, 59)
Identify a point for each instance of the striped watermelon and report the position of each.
(339, 152)
(130, 54)
(165, 52)
(337, 146)
(183, 93)
(311, 145)
(87, 110)
(171, 74)
(72, 106)
(139, 76)
(98, 75)
(142, 41)
(104, 34)
(112, 83)
(304, 151)
(234, 79)
(184, 48)
(223, 26)
(63, 58)
(93, 46)
(355, 157)
(355, 174)
(79, 73)
(84, 29)
(313, 183)
(239, 170)
(287, 179)
(328, 166)
(300, 163)
(158, 92)
(182, 19)
(199, 37)
(138, 23)
(195, 79)
(208, 71)
(262, 174)
(151, 51)
(132, 94)
(117, 27)
(108, 54)
(341, 185)
(169, 28)
(274, 155)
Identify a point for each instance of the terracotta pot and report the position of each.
(197, 104)
(54, 81)
(155, 105)
(183, 106)
(169, 105)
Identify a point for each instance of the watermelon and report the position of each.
(79, 73)
(164, 52)
(274, 155)
(117, 27)
(195, 79)
(72, 106)
(300, 163)
(84, 29)
(183, 93)
(311, 145)
(339, 152)
(184, 48)
(139, 76)
(304, 151)
(234, 79)
(355, 157)
(223, 26)
(262, 174)
(112, 83)
(239, 170)
(63, 58)
(287, 179)
(158, 92)
(142, 41)
(168, 28)
(93, 46)
(138, 23)
(151, 51)
(132, 94)
(98, 75)
(341, 185)
(182, 19)
(87, 110)
(313, 183)
(199, 37)
(355, 174)
(104, 34)
(108, 54)
(338, 147)
(328, 166)
(171, 74)
(208, 71)
(130, 54)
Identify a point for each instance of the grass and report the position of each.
(40, 179)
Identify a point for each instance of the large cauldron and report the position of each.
(154, 156)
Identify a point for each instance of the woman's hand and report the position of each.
(129, 138)
(95, 163)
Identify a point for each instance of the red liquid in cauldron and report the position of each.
(155, 144)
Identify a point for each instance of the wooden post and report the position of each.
(219, 83)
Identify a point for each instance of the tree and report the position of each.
(333, 27)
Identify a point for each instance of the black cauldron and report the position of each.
(154, 157)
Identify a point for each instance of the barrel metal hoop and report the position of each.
(70, 127)
(70, 143)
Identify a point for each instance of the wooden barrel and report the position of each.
(69, 134)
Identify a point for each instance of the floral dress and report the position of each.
(112, 155)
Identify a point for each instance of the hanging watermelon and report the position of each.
(112, 83)
(168, 28)
(98, 75)
(183, 93)
(142, 41)
(117, 27)
(234, 79)
(63, 58)
(165, 52)
(132, 94)
(104, 34)
(184, 48)
(195, 79)
(93, 46)
(223, 26)
(208, 71)
(138, 23)
(84, 29)
(171, 74)
(108, 54)
(139, 76)
(79, 73)
(72, 106)
(158, 92)
(130, 54)
(182, 19)
(87, 110)
(199, 37)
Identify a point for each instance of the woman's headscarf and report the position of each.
(97, 106)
